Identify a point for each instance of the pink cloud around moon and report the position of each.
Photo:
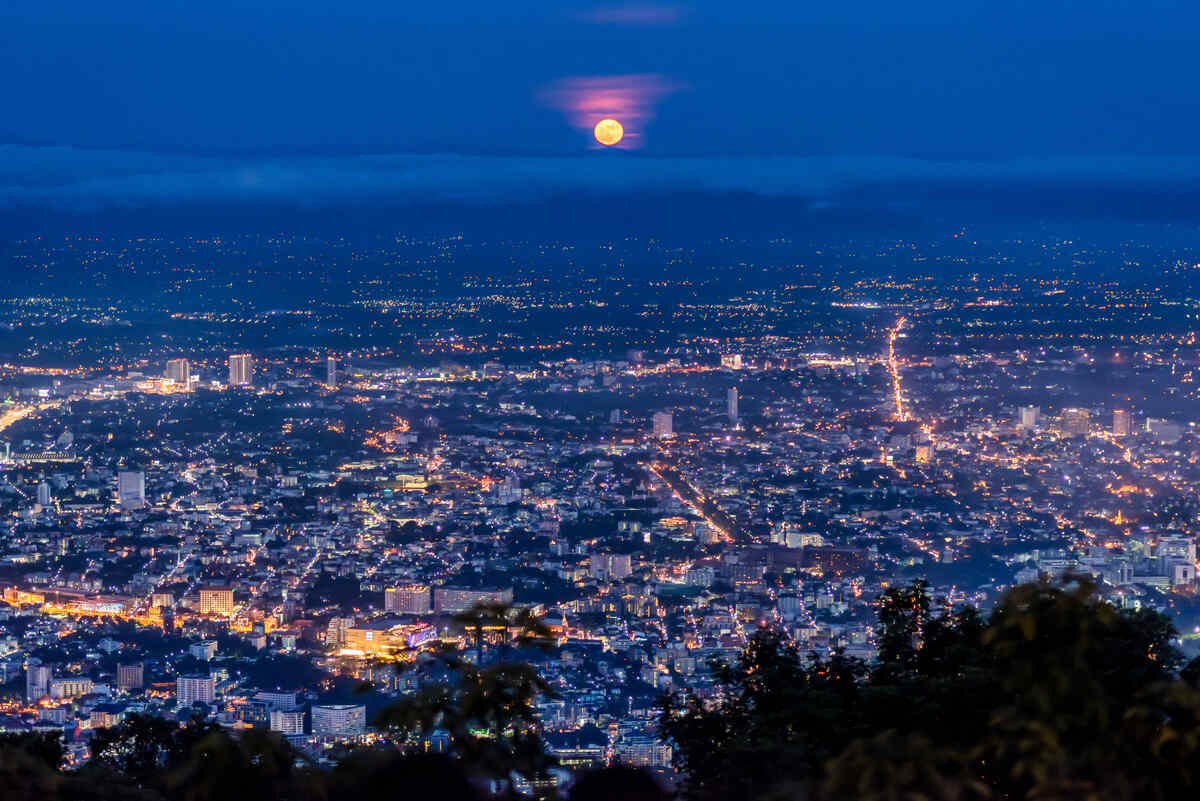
(629, 99)
(635, 14)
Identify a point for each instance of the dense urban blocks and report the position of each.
(500, 521)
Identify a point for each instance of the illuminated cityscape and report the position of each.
(599, 400)
(654, 475)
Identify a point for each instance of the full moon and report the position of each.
(608, 132)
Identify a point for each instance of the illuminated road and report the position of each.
(695, 499)
(902, 414)
(18, 413)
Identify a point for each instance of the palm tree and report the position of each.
(481, 616)
(519, 624)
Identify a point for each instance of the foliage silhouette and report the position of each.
(1056, 694)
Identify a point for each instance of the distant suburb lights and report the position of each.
(614, 109)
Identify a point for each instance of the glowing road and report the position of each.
(18, 413)
(692, 497)
(894, 367)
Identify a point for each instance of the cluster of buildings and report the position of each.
(249, 536)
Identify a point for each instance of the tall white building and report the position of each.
(287, 722)
(1075, 422)
(331, 371)
(241, 370)
(1029, 417)
(460, 599)
(610, 566)
(130, 677)
(180, 371)
(407, 599)
(664, 425)
(216, 601)
(731, 405)
(37, 682)
(44, 496)
(339, 720)
(1122, 423)
(195, 688)
(131, 489)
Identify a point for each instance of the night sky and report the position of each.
(150, 104)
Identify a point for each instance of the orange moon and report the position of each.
(608, 132)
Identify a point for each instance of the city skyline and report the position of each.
(589, 400)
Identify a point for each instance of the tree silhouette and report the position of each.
(488, 713)
(258, 764)
(518, 624)
(29, 767)
(1056, 695)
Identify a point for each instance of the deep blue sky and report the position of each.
(211, 100)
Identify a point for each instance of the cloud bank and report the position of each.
(80, 179)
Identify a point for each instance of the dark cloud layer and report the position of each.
(79, 179)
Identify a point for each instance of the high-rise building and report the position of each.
(131, 489)
(241, 370)
(663, 425)
(195, 688)
(335, 632)
(331, 371)
(610, 566)
(460, 599)
(216, 601)
(731, 405)
(407, 599)
(43, 495)
(1029, 417)
(1122, 423)
(1166, 432)
(287, 722)
(37, 682)
(276, 700)
(339, 720)
(1076, 422)
(180, 371)
(71, 687)
(130, 677)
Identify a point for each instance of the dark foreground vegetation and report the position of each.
(156, 760)
(1055, 695)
